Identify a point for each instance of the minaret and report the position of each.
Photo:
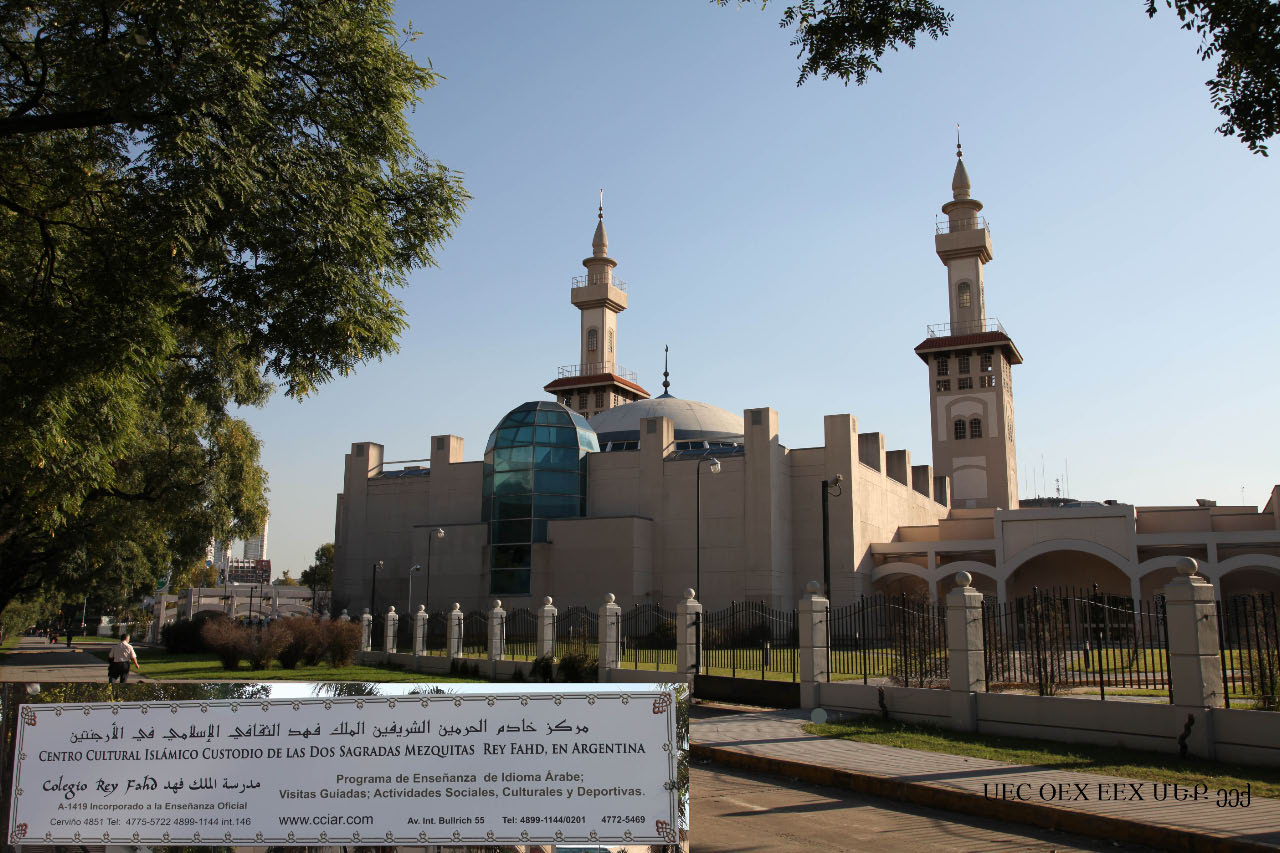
(596, 382)
(969, 359)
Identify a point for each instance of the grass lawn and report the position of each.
(1109, 760)
(157, 663)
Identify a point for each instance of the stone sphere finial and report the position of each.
(690, 595)
(366, 611)
(609, 598)
(546, 599)
(497, 604)
(1186, 566)
(813, 587)
(964, 579)
(457, 606)
(391, 609)
(422, 608)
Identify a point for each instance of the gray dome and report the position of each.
(692, 420)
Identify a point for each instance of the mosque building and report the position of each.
(606, 490)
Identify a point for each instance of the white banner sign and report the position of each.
(482, 768)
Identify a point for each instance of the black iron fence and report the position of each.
(896, 639)
(475, 634)
(520, 633)
(647, 637)
(436, 639)
(749, 639)
(1249, 640)
(577, 632)
(1076, 638)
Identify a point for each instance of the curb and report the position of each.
(1042, 815)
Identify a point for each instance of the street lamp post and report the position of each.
(827, 486)
(373, 589)
(438, 533)
(713, 465)
(414, 568)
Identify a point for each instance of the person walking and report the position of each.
(120, 659)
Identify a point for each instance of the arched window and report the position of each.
(975, 428)
(593, 340)
(959, 425)
(611, 342)
(963, 297)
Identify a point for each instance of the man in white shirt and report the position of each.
(120, 659)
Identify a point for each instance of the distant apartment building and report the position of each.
(249, 571)
(255, 547)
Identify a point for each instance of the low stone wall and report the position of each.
(1246, 737)
(642, 676)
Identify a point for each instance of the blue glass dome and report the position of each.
(535, 468)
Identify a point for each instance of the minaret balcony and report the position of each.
(973, 327)
(596, 368)
(977, 223)
(581, 281)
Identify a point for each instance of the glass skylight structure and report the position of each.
(535, 468)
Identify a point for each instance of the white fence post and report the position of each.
(688, 654)
(389, 634)
(455, 631)
(497, 631)
(366, 631)
(420, 630)
(965, 652)
(610, 616)
(813, 614)
(547, 629)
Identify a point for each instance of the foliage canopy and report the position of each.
(198, 202)
(848, 38)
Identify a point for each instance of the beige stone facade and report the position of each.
(682, 494)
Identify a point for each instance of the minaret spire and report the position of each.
(600, 241)
(666, 385)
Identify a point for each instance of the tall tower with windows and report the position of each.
(597, 382)
(970, 360)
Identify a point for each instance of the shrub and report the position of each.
(341, 641)
(183, 636)
(305, 643)
(262, 645)
(543, 669)
(579, 668)
(225, 639)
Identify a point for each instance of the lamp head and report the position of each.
(438, 533)
(837, 479)
(416, 567)
(714, 466)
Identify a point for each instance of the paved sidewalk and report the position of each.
(774, 741)
(37, 660)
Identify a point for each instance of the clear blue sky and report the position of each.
(780, 240)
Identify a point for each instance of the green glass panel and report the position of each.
(557, 506)
(557, 482)
(513, 507)
(512, 458)
(509, 582)
(512, 482)
(587, 440)
(560, 436)
(554, 416)
(511, 556)
(562, 458)
(509, 531)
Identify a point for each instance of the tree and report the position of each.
(847, 39)
(285, 580)
(319, 575)
(198, 202)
